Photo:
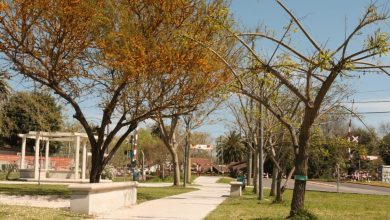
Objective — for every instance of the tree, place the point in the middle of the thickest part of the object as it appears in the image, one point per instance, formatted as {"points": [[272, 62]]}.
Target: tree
{"points": [[327, 153], [317, 73], [245, 120], [231, 148], [4, 87], [24, 112], [384, 149], [152, 147], [113, 53], [199, 77]]}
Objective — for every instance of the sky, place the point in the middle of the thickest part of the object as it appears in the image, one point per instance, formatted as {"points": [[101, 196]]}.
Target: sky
{"points": [[326, 21]]}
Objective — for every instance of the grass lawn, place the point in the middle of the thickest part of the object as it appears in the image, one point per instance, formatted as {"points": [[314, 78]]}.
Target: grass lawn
{"points": [[24, 212], [144, 194], [225, 180], [324, 205], [168, 179], [12, 176], [35, 189]]}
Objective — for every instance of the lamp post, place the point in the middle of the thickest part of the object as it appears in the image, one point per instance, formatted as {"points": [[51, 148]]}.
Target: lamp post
{"points": [[187, 120], [221, 159]]}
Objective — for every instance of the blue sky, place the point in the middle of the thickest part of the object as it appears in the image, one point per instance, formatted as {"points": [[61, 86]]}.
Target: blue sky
{"points": [[326, 22]]}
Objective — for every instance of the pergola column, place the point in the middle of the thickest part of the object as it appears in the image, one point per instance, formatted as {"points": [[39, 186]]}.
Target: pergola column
{"points": [[84, 160], [47, 155], [23, 160], [36, 158], [77, 158]]}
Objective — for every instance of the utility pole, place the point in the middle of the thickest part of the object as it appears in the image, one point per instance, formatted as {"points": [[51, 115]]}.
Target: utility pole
{"points": [[260, 137], [261, 154], [338, 177]]}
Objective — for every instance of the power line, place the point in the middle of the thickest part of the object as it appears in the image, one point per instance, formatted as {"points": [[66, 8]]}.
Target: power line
{"points": [[369, 91], [373, 101], [359, 113]]}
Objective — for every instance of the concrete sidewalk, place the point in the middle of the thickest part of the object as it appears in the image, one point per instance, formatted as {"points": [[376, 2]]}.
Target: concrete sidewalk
{"points": [[194, 205]]}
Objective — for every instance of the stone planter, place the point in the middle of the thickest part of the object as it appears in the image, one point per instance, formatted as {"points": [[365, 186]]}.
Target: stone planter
{"points": [[95, 198], [235, 189]]}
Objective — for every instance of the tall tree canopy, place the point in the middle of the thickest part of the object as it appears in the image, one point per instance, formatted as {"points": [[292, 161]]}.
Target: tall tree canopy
{"points": [[24, 112], [128, 58], [231, 148]]}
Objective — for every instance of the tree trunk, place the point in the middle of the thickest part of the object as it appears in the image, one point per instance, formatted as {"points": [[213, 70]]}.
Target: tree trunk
{"points": [[274, 179], [255, 172], [97, 166], [176, 168], [279, 192], [249, 164], [287, 179], [301, 160]]}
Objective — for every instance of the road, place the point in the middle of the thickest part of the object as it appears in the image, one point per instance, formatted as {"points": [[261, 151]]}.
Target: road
{"points": [[344, 187]]}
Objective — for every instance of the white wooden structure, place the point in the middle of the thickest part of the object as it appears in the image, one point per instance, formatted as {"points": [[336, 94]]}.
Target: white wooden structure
{"points": [[78, 140]]}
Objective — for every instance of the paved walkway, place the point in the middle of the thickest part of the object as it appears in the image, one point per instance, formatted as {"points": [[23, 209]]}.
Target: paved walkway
{"points": [[187, 206]]}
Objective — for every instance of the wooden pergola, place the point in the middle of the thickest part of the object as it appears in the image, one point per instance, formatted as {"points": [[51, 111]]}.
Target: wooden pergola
{"points": [[78, 140]]}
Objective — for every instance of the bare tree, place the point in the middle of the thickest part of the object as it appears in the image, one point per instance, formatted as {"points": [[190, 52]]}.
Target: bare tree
{"points": [[311, 75]]}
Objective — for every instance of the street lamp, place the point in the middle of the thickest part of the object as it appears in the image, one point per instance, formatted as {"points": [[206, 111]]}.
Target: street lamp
{"points": [[187, 120]]}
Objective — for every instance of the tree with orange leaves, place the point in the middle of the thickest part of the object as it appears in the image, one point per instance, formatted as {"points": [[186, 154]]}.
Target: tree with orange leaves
{"points": [[128, 57]]}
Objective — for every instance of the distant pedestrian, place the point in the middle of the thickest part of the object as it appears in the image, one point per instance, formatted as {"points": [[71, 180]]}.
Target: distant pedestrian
{"points": [[242, 178]]}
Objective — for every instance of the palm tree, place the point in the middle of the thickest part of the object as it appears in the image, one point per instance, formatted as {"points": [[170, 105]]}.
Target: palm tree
{"points": [[231, 148]]}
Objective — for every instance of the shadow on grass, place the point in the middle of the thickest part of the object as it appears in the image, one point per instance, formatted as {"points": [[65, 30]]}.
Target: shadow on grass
{"points": [[34, 190]]}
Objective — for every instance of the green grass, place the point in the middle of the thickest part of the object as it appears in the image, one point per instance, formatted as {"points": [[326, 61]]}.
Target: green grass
{"points": [[122, 179], [144, 194], [35, 189], [322, 204], [225, 180], [12, 176], [156, 179], [24, 212], [150, 193], [167, 179]]}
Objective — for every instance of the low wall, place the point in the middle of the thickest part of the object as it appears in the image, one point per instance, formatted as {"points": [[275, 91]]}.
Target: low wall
{"points": [[51, 174], [95, 198], [61, 174], [385, 174], [29, 174]]}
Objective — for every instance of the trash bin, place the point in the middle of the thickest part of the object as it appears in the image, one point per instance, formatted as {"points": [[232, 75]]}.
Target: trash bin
{"points": [[136, 175], [242, 179]]}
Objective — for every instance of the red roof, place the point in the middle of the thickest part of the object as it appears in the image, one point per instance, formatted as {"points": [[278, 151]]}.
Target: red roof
{"points": [[56, 162], [205, 163]]}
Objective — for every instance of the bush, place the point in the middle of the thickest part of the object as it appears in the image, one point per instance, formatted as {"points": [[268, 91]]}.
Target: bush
{"points": [[109, 172]]}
